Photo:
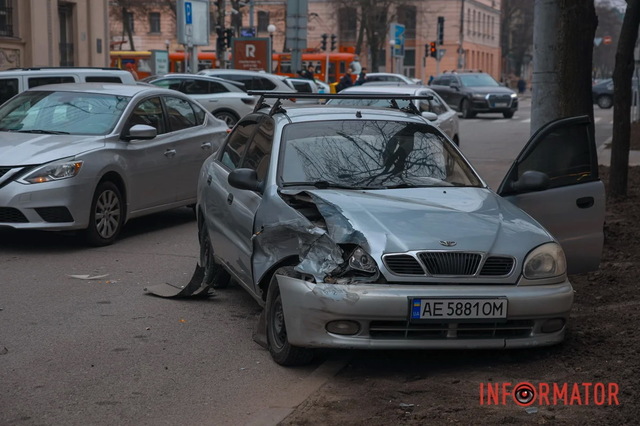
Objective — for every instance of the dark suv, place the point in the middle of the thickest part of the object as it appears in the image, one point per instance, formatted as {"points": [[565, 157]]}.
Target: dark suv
{"points": [[474, 92]]}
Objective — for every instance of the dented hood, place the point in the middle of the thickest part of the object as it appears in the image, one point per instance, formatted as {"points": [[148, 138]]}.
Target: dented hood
{"points": [[400, 220]]}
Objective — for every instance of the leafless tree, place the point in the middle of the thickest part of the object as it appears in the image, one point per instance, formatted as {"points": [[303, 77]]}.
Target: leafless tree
{"points": [[517, 34], [123, 9], [622, 75], [604, 55]]}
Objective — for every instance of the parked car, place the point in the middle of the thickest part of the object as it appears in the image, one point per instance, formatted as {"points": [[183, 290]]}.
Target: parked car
{"points": [[222, 98], [302, 85], [445, 118], [475, 92], [391, 78], [91, 156], [17, 80], [602, 93], [366, 228]]}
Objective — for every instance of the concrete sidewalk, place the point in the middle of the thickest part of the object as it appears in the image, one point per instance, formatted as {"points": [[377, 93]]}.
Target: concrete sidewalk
{"points": [[604, 155]]}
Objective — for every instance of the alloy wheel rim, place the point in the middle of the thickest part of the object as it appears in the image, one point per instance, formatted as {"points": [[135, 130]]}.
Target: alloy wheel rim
{"points": [[107, 214]]}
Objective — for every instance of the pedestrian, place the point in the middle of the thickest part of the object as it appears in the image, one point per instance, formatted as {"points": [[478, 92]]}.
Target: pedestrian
{"points": [[132, 70], [430, 79], [308, 73], [522, 86], [345, 81], [362, 78]]}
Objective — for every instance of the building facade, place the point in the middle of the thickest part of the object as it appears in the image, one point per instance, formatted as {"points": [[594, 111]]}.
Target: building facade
{"points": [[51, 33], [471, 36]]}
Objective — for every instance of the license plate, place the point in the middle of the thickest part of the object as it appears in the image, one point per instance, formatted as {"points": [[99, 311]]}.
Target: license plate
{"points": [[458, 309], [500, 104]]}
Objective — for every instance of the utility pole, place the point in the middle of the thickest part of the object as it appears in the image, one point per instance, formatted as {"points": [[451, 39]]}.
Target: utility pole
{"points": [[220, 50]]}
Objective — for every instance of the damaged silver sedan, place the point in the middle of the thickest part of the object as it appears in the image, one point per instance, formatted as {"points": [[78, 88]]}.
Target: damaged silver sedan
{"points": [[366, 228]]}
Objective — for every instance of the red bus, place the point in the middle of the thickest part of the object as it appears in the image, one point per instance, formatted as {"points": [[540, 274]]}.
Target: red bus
{"points": [[336, 63]]}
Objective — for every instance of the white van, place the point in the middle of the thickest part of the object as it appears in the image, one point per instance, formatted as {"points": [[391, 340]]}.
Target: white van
{"points": [[17, 80]]}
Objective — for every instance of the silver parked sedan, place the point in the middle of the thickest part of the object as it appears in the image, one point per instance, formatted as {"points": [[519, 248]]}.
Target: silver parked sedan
{"points": [[91, 156], [367, 228], [433, 108]]}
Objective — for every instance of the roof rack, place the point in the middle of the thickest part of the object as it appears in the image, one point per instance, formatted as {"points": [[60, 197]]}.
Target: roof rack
{"points": [[277, 106]]}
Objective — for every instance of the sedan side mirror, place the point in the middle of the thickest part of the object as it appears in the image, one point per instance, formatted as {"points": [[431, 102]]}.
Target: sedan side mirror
{"points": [[431, 116], [455, 86], [531, 180], [141, 131], [245, 179]]}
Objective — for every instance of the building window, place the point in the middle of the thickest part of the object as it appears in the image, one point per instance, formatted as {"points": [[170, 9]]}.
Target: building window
{"points": [[6, 18], [263, 21], [407, 16], [154, 22], [129, 21], [347, 24], [65, 16]]}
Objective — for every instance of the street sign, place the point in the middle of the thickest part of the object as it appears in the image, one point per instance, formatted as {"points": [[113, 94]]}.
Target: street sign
{"points": [[397, 34], [597, 41], [251, 53], [193, 22], [188, 12]]}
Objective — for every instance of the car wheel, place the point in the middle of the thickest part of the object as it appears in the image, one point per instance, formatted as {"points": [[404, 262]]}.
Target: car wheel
{"points": [[107, 215], [214, 274], [226, 116], [508, 114], [605, 101], [281, 350], [466, 110]]}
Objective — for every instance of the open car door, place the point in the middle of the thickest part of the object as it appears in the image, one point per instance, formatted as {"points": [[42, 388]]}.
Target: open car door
{"points": [[555, 180]]}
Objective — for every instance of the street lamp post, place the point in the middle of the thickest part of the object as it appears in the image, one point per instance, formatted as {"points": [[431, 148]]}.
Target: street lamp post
{"points": [[392, 45], [271, 29]]}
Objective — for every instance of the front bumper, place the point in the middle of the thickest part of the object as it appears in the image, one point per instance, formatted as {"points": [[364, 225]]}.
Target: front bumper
{"points": [[382, 311], [55, 206], [489, 104]]}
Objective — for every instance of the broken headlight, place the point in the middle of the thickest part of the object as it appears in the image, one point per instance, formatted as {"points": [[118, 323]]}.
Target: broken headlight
{"points": [[358, 266]]}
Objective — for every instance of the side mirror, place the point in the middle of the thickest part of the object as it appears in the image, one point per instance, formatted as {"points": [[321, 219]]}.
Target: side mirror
{"points": [[141, 131], [244, 179], [431, 116], [531, 180], [455, 86]]}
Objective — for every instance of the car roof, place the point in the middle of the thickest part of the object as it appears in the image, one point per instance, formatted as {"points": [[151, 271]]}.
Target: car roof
{"points": [[386, 88], [213, 71], [315, 112], [104, 88], [200, 77]]}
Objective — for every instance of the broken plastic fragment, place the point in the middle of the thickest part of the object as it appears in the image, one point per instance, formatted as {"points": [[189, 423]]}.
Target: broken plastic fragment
{"points": [[88, 277]]}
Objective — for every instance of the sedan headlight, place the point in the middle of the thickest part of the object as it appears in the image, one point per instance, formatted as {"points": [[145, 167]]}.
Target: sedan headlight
{"points": [[58, 170], [514, 95], [358, 266], [361, 261], [545, 261]]}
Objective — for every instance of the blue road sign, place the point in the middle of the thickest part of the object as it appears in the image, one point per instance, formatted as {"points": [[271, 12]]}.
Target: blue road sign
{"points": [[187, 13], [397, 32]]}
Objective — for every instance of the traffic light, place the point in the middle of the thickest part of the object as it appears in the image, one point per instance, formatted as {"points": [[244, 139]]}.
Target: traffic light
{"points": [[228, 37], [433, 50], [323, 42], [220, 44], [440, 36], [333, 42]]}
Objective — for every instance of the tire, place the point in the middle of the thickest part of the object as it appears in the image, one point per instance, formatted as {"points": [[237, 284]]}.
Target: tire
{"points": [[465, 108], [214, 274], [226, 116], [281, 350], [107, 215], [605, 101], [508, 114]]}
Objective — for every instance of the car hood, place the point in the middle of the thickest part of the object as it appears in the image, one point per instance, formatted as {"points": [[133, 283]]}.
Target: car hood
{"points": [[401, 220], [20, 149], [490, 89]]}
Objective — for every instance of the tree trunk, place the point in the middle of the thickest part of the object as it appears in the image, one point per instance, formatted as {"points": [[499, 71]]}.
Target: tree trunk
{"points": [[622, 74], [562, 56]]}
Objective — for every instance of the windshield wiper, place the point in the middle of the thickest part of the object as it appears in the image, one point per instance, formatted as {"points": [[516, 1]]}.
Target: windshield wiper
{"points": [[322, 184], [44, 132]]}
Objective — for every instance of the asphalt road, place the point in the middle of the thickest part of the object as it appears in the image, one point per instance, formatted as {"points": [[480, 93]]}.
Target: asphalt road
{"points": [[100, 351]]}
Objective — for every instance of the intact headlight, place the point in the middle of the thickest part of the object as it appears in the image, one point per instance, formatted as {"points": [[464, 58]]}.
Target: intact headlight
{"points": [[57, 170], [514, 95], [545, 261]]}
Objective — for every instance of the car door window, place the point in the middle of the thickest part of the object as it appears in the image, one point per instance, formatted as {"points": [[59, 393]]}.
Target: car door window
{"points": [[200, 113], [149, 112], [8, 89], [237, 144], [180, 113], [259, 152], [102, 79], [196, 87], [266, 84], [169, 83], [214, 87], [443, 81]]}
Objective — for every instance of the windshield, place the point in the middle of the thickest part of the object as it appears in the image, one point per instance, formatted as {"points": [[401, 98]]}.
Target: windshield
{"points": [[370, 155], [475, 80], [73, 113]]}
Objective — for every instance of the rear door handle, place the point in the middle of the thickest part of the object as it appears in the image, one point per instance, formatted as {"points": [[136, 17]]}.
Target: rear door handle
{"points": [[585, 202], [170, 153], [230, 199]]}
